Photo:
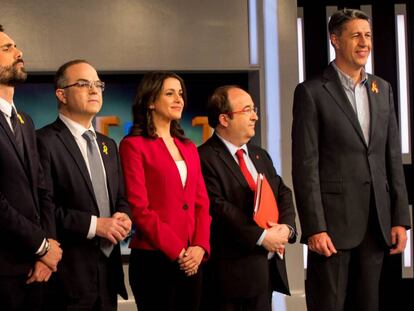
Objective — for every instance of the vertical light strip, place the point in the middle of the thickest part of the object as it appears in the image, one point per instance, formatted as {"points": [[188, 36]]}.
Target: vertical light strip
{"points": [[407, 258], [301, 65], [272, 82], [254, 56], [403, 94], [331, 51], [272, 100], [305, 257], [369, 67], [301, 57]]}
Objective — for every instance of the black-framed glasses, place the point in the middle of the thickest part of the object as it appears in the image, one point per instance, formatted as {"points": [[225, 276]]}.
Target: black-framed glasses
{"points": [[245, 110], [86, 84]]}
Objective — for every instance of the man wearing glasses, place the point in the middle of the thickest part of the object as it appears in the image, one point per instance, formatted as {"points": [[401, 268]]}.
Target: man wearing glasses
{"points": [[26, 255], [243, 270], [82, 167]]}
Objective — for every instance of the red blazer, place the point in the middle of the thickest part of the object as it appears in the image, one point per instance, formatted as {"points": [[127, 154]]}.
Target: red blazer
{"points": [[167, 216]]}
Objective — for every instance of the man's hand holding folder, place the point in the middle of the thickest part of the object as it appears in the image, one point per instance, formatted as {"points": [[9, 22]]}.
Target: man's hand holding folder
{"points": [[266, 215]]}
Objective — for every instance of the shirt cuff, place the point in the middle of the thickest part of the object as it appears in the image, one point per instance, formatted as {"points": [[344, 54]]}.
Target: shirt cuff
{"points": [[42, 247], [292, 232], [92, 228], [262, 236]]}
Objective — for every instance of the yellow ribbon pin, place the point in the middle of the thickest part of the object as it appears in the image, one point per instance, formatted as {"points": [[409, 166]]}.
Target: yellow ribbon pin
{"points": [[105, 148], [20, 118], [374, 87]]}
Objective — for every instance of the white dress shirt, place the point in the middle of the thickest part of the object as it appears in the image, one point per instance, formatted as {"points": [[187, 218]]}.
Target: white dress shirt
{"points": [[6, 109]]}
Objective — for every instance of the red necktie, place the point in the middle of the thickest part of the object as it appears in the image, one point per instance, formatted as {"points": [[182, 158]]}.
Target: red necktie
{"points": [[244, 170]]}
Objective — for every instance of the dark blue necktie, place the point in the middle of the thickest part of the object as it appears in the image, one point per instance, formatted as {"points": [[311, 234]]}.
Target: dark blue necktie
{"points": [[17, 130]]}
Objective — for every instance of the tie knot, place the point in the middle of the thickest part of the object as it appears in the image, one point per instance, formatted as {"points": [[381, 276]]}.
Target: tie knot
{"points": [[239, 154], [13, 113], [88, 135]]}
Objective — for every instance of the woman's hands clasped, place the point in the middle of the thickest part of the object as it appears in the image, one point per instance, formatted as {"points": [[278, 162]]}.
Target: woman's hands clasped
{"points": [[190, 259]]}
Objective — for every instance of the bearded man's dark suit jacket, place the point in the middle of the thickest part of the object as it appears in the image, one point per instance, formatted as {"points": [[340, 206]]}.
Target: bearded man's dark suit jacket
{"points": [[239, 268], [67, 174], [336, 175], [24, 202]]}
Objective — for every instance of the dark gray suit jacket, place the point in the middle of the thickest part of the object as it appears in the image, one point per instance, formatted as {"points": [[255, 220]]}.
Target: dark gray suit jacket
{"points": [[68, 177], [335, 172], [239, 267]]}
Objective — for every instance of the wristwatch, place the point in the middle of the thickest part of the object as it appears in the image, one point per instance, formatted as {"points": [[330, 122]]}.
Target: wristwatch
{"points": [[292, 232]]}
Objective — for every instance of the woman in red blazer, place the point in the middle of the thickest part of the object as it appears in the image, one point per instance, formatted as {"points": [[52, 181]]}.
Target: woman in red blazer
{"points": [[168, 198]]}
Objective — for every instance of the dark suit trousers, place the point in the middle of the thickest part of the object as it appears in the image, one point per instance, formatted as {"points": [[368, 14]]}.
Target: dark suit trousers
{"points": [[158, 283], [212, 299], [348, 280], [101, 298], [16, 295], [258, 303]]}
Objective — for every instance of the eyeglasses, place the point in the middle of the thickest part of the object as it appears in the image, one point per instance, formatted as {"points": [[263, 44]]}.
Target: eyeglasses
{"points": [[245, 110], [85, 84]]}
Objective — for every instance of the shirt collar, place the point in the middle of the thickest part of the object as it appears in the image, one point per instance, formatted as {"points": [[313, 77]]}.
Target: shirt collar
{"points": [[75, 128], [6, 107], [233, 148], [346, 80]]}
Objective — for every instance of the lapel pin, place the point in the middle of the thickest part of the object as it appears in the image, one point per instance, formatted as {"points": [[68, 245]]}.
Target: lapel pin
{"points": [[257, 157], [374, 87], [105, 148], [20, 118]]}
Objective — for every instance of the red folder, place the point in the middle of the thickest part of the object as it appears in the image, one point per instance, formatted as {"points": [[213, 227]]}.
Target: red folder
{"points": [[265, 205]]}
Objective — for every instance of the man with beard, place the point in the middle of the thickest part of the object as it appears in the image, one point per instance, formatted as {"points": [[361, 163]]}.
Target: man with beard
{"points": [[28, 254]]}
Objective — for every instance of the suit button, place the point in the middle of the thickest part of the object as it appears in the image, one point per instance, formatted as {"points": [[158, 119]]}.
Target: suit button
{"points": [[185, 207], [367, 183]]}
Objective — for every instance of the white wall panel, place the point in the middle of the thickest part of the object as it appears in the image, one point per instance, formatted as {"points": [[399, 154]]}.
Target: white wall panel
{"points": [[130, 34]]}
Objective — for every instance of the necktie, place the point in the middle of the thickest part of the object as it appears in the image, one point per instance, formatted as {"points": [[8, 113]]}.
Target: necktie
{"points": [[17, 130], [244, 169], [98, 184]]}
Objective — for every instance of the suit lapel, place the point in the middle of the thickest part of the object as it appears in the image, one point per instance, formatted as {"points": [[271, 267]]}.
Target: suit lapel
{"points": [[106, 153], [72, 147], [257, 161], [29, 147], [10, 135], [373, 106], [334, 88], [228, 160]]}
